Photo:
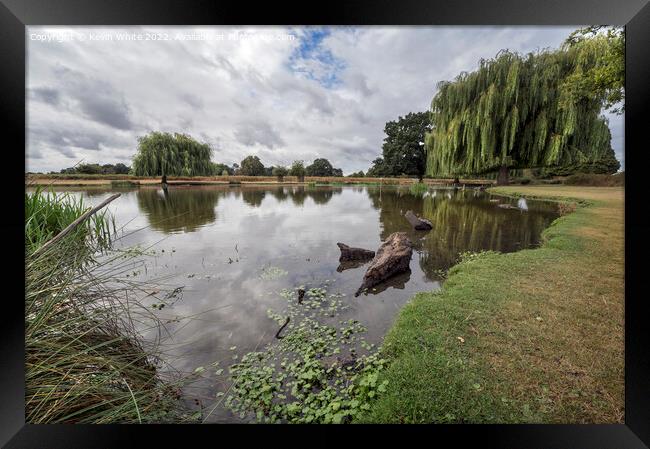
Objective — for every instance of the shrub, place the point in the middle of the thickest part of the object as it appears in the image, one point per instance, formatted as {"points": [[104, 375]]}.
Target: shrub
{"points": [[595, 180]]}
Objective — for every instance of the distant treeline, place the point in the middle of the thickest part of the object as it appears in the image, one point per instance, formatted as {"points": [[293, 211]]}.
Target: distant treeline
{"points": [[161, 153], [96, 169]]}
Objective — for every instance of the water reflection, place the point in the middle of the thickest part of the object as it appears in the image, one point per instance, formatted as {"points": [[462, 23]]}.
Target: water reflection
{"points": [[253, 197], [178, 209], [462, 221], [218, 238]]}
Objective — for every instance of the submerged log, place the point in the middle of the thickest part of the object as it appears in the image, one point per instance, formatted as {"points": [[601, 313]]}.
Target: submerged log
{"points": [[419, 224], [393, 257], [349, 253]]}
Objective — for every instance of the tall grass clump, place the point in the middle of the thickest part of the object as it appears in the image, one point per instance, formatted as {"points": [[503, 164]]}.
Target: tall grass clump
{"points": [[418, 189], [85, 359], [48, 213]]}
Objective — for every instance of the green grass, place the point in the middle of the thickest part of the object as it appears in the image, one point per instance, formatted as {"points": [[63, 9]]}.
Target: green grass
{"points": [[418, 188], [85, 361], [48, 213], [532, 336]]}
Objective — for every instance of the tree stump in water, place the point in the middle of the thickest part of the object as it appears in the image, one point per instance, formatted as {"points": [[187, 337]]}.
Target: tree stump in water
{"points": [[349, 253], [419, 224], [393, 257]]}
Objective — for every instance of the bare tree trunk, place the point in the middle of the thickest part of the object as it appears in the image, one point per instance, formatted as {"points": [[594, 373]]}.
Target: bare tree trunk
{"points": [[502, 177]]}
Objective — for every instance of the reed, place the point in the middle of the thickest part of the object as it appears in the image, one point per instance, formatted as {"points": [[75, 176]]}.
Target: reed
{"points": [[86, 361]]}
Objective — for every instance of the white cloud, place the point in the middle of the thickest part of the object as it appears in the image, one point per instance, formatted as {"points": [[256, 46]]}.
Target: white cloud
{"points": [[326, 93]]}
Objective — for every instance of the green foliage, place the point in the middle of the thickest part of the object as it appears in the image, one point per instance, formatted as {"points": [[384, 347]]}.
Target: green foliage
{"points": [[516, 111], [418, 188], [252, 166], [96, 169], [597, 180], [378, 169], [358, 174], [605, 79], [85, 362], [320, 167], [313, 374], [221, 169], [47, 214], [607, 164], [297, 169], [403, 150], [172, 155], [280, 172]]}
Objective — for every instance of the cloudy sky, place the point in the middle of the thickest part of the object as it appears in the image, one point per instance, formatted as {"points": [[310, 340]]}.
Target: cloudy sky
{"points": [[280, 93]]}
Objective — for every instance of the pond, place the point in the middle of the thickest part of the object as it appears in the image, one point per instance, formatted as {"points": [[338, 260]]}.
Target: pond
{"points": [[234, 249]]}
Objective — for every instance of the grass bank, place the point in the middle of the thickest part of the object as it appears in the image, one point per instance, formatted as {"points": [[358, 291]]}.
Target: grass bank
{"points": [[532, 336]]}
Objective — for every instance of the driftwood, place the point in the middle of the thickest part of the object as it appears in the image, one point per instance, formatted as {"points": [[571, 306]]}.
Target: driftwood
{"points": [[393, 257], [277, 334], [419, 224], [75, 223], [349, 253], [507, 206]]}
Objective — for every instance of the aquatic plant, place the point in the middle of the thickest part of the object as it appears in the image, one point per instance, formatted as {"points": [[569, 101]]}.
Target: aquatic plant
{"points": [[314, 373]]}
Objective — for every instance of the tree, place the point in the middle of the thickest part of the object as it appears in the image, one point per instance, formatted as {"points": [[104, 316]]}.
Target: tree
{"points": [[320, 167], [298, 169], [512, 113], [89, 169], [172, 155], [358, 174], [378, 169], [606, 165], [280, 172], [121, 169], [605, 78], [252, 166], [403, 149], [221, 169], [337, 172]]}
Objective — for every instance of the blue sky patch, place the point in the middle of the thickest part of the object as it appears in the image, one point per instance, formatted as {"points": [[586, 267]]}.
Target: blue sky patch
{"points": [[313, 61]]}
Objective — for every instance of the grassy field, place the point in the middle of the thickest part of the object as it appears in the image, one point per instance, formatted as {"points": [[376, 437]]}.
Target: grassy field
{"points": [[533, 336]]}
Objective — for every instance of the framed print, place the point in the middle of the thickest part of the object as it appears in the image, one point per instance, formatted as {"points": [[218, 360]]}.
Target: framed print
{"points": [[359, 218]]}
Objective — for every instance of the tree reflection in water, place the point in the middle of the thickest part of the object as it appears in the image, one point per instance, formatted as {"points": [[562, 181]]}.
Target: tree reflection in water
{"points": [[179, 209], [462, 221]]}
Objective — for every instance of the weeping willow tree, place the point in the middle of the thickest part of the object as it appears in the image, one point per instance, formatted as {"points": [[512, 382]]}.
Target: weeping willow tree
{"points": [[518, 111], [172, 155]]}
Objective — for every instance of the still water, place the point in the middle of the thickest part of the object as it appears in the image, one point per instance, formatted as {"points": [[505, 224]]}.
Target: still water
{"points": [[232, 249]]}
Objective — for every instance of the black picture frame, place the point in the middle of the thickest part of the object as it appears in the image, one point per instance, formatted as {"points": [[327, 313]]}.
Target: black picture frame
{"points": [[634, 14]]}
